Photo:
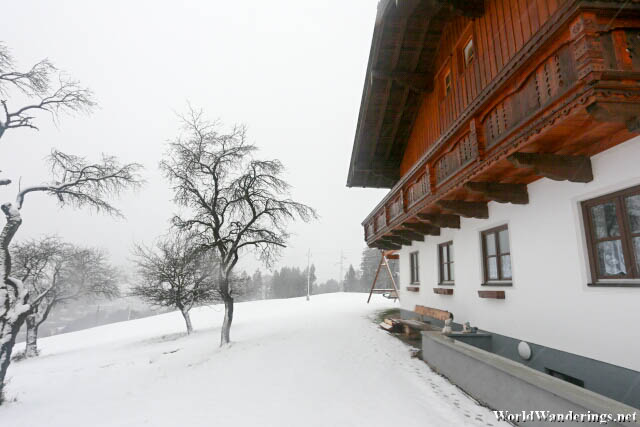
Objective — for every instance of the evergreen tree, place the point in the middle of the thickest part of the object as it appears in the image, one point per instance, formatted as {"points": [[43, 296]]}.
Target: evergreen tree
{"points": [[259, 285], [351, 282], [368, 267]]}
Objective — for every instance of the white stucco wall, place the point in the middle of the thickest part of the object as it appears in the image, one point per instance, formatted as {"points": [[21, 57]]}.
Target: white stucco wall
{"points": [[549, 303]]}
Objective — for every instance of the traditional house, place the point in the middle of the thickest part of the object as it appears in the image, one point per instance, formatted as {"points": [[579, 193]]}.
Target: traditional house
{"points": [[506, 131]]}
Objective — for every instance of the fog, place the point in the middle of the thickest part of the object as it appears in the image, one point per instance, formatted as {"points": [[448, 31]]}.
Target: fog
{"points": [[292, 71]]}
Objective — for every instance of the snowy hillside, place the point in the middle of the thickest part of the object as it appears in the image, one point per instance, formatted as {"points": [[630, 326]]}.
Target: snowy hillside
{"points": [[292, 363]]}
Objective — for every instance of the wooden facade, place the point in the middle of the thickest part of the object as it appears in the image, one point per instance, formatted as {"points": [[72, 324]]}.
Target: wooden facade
{"points": [[546, 85]]}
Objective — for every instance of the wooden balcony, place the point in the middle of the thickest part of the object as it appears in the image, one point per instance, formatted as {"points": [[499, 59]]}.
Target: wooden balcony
{"points": [[573, 91]]}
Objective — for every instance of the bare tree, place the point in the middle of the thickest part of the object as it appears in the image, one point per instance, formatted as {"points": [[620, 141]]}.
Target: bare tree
{"points": [[236, 202], [46, 89], [176, 274], [77, 183], [66, 272]]}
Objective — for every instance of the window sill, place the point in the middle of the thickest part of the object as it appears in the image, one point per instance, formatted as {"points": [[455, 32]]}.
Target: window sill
{"points": [[413, 288], [446, 283], [498, 283], [443, 291], [615, 284], [491, 294]]}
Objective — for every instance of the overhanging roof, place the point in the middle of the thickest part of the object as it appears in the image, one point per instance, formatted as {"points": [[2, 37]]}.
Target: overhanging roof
{"points": [[400, 69]]}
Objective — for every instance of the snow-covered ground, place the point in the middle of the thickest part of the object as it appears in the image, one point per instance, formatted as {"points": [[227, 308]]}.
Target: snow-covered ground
{"points": [[292, 363]]}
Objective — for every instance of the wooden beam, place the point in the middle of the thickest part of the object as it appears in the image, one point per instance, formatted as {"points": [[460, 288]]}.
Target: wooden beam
{"points": [[379, 244], [441, 220], [405, 8], [382, 167], [420, 82], [421, 227], [397, 240], [556, 167], [412, 235], [627, 113], [468, 8], [465, 209], [501, 193], [396, 121]]}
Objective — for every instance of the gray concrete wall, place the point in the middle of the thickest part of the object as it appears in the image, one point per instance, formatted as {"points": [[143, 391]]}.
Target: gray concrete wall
{"points": [[615, 382], [503, 384]]}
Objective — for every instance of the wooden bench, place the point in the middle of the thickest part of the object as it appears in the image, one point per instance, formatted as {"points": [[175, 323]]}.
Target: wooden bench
{"points": [[434, 313], [412, 327]]}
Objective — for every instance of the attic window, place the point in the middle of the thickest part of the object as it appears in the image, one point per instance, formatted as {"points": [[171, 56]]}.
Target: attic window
{"points": [[447, 82], [468, 52]]}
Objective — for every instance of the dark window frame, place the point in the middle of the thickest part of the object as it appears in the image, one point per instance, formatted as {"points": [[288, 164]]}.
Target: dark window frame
{"points": [[468, 62], [449, 264], [632, 278], [447, 83], [414, 265], [500, 281]]}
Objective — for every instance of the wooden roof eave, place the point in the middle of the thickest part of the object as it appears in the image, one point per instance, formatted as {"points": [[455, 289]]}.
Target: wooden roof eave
{"points": [[383, 7], [413, 80], [404, 9]]}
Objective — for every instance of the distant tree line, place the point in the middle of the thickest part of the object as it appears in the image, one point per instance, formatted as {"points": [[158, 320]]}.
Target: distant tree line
{"points": [[291, 282]]}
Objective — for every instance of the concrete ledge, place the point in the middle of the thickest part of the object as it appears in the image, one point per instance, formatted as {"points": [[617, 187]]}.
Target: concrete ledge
{"points": [[477, 339], [506, 385]]}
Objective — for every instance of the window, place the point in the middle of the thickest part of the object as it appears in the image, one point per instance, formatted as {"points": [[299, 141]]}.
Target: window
{"points": [[612, 224], [468, 52], [415, 272], [496, 253], [445, 260], [447, 83]]}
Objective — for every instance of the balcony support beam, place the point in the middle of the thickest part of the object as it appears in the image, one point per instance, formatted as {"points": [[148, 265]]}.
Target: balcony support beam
{"points": [[396, 240], [411, 235], [441, 220], [386, 243], [501, 193], [421, 227], [556, 167], [385, 246], [465, 209]]}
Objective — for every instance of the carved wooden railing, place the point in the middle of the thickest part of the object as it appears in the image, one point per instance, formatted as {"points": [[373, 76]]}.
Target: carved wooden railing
{"points": [[418, 189], [369, 230], [462, 152], [585, 67], [396, 207], [549, 80], [381, 220]]}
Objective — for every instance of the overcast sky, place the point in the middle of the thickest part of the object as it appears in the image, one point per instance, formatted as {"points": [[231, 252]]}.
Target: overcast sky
{"points": [[291, 70]]}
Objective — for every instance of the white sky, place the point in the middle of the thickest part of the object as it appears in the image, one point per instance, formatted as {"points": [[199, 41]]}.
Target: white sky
{"points": [[292, 70]]}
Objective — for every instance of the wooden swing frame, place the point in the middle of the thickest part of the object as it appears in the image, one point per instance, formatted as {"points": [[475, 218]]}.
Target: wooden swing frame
{"points": [[386, 255]]}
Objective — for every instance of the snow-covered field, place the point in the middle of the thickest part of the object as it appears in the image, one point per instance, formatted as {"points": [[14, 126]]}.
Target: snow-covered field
{"points": [[292, 363]]}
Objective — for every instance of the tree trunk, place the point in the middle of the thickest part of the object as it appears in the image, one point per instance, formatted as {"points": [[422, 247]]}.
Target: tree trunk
{"points": [[7, 340], [32, 336], [13, 295], [187, 320], [228, 319]]}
